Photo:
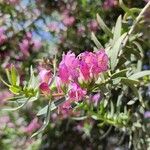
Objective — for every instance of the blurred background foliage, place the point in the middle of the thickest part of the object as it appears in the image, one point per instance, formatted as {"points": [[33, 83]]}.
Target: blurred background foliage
{"points": [[35, 31]]}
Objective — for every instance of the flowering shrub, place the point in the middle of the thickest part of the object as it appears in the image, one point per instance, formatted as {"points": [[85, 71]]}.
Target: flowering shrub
{"points": [[98, 88]]}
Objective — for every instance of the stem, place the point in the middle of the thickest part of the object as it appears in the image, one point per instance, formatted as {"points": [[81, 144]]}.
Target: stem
{"points": [[135, 23]]}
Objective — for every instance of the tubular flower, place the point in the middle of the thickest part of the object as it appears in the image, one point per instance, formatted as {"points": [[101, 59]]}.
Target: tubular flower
{"points": [[44, 88], [68, 68], [45, 75], [76, 93]]}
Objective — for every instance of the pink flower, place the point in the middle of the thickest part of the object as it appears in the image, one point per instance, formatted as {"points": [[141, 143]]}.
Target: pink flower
{"points": [[93, 25], [4, 95], [75, 92], [12, 1], [108, 4], [64, 73], [44, 88], [97, 63], [68, 67], [29, 44], [33, 126], [37, 44], [81, 30], [45, 75], [24, 47], [102, 59], [53, 27], [96, 99], [3, 37], [68, 20], [84, 71], [147, 114]]}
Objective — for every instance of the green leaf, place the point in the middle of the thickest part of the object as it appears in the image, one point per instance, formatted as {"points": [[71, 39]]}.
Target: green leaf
{"points": [[8, 75], [140, 74], [113, 53], [46, 121], [131, 83], [14, 75], [15, 89], [53, 106], [123, 6], [121, 73], [95, 40], [104, 26], [20, 106], [117, 30], [131, 102]]}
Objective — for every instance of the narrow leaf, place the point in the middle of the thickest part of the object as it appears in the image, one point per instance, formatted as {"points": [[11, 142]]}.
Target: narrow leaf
{"points": [[95, 40], [104, 26], [140, 74], [117, 30], [113, 53]]}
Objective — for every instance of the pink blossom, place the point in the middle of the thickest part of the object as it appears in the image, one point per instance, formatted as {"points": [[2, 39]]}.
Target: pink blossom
{"points": [[53, 27], [96, 98], [93, 25], [68, 20], [84, 71], [3, 37], [24, 47], [64, 73], [44, 88], [68, 67], [28, 44], [81, 30], [4, 95], [102, 59], [108, 4], [33, 126], [45, 75], [147, 114], [75, 92], [12, 1], [37, 44]]}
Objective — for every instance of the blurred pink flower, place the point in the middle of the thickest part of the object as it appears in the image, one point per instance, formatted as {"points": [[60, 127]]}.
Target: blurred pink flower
{"points": [[4, 95], [81, 30], [37, 44], [13, 2], [93, 25], [33, 126], [54, 27], [108, 4], [68, 20], [3, 37], [28, 44], [147, 114], [24, 47], [96, 99]]}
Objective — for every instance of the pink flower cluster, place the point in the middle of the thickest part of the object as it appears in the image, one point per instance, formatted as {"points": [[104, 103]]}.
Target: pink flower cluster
{"points": [[28, 43], [3, 37], [73, 72], [82, 68]]}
